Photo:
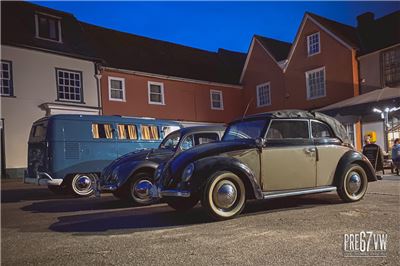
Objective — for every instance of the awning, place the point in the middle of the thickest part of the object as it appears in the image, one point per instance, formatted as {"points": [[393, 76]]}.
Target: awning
{"points": [[364, 103]]}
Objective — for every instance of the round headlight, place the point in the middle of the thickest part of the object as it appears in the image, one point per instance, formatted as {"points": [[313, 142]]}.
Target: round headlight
{"points": [[187, 173]]}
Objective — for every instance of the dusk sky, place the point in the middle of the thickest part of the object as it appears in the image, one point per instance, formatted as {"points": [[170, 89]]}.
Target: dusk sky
{"points": [[213, 25]]}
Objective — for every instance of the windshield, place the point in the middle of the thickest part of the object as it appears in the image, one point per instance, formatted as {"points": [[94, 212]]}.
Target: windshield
{"points": [[250, 129], [171, 141]]}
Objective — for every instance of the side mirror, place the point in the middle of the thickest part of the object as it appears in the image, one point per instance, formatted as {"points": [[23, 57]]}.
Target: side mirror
{"points": [[260, 143]]}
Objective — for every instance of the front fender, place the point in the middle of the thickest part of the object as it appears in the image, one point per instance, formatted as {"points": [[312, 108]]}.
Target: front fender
{"points": [[125, 171], [354, 157], [206, 167]]}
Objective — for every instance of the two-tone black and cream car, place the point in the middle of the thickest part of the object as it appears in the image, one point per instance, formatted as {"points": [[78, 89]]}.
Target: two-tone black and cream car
{"points": [[264, 156]]}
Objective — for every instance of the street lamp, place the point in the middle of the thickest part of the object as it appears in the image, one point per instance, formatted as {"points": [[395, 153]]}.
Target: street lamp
{"points": [[385, 116]]}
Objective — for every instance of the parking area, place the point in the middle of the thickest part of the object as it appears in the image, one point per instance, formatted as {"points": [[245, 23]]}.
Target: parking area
{"points": [[39, 227]]}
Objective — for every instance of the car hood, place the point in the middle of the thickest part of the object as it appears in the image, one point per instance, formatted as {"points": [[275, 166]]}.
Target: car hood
{"points": [[210, 149]]}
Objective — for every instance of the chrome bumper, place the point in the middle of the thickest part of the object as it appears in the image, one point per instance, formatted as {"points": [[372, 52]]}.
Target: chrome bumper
{"points": [[42, 178], [158, 192]]}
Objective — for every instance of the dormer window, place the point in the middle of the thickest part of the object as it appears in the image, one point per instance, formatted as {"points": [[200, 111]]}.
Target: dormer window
{"points": [[48, 27], [313, 44]]}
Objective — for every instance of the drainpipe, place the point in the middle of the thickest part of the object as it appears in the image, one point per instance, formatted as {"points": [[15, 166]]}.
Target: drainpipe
{"points": [[97, 68]]}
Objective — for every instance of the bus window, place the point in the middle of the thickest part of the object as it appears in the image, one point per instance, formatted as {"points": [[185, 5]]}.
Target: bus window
{"points": [[127, 132], [102, 131], [39, 131], [149, 132]]}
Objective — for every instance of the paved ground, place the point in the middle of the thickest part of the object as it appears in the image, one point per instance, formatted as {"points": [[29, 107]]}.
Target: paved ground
{"points": [[41, 228]]}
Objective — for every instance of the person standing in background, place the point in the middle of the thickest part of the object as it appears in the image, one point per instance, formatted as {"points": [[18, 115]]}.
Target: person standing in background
{"points": [[396, 155]]}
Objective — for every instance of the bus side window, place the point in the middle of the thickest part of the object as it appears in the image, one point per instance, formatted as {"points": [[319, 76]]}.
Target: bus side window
{"points": [[102, 131], [149, 132], [127, 132]]}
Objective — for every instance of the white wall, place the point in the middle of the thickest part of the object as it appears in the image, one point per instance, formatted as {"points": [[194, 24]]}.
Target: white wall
{"points": [[34, 80]]}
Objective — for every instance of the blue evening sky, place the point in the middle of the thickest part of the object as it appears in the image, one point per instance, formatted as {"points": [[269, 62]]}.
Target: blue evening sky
{"points": [[213, 25]]}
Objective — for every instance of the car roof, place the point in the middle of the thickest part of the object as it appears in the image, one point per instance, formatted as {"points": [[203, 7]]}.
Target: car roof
{"points": [[188, 130]]}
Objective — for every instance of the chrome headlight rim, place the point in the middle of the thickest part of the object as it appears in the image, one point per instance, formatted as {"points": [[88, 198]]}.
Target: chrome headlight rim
{"points": [[187, 172]]}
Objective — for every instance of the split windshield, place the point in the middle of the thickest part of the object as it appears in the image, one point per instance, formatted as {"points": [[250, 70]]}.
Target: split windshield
{"points": [[171, 141], [248, 129]]}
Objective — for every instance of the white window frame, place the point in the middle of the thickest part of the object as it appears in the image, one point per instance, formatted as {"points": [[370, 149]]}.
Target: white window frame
{"points": [[37, 27], [308, 43], [10, 79], [221, 100], [149, 83], [123, 89], [69, 71], [307, 83], [258, 87]]}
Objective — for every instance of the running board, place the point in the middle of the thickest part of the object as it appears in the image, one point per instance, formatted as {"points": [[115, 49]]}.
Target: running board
{"points": [[288, 193]]}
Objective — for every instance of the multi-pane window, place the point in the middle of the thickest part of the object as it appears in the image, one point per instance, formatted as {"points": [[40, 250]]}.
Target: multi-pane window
{"points": [[48, 27], [102, 131], [69, 85], [149, 132], [127, 132], [391, 67], [156, 93], [351, 133], [313, 44], [315, 81], [6, 88], [263, 94], [116, 88], [217, 102]]}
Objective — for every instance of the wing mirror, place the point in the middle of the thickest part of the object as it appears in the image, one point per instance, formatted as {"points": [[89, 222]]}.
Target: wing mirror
{"points": [[260, 143]]}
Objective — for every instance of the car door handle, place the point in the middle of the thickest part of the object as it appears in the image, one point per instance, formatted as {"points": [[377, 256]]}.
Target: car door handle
{"points": [[310, 151]]}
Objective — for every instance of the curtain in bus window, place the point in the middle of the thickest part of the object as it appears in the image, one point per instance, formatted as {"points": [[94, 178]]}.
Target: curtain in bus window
{"points": [[95, 131], [108, 131], [145, 132], [121, 132], [132, 132], [154, 132]]}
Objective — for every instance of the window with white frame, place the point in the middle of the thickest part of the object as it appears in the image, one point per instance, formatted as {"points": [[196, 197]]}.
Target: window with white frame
{"points": [[263, 94], [116, 89], [315, 82], [217, 102], [69, 85], [156, 92], [313, 44], [48, 27], [391, 66], [6, 82]]}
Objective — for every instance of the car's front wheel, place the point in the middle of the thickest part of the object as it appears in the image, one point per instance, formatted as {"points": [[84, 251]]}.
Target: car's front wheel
{"points": [[353, 184], [140, 186], [224, 196], [83, 184]]}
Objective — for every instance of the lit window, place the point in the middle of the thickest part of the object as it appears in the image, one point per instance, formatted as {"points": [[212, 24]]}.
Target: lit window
{"points": [[116, 89], [315, 81], [48, 27], [263, 94], [391, 67], [127, 132], [217, 102], [6, 82], [102, 131], [149, 132], [69, 85], [156, 93], [313, 44]]}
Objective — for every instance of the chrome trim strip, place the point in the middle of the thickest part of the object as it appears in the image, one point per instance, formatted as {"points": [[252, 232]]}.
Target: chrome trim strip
{"points": [[174, 193], [108, 188], [285, 193]]}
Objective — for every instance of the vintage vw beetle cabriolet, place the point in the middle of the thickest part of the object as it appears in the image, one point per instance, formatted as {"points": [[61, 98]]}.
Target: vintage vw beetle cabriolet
{"points": [[263, 156], [130, 177]]}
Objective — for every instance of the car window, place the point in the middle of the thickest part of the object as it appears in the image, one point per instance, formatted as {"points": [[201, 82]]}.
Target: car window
{"points": [[187, 143], [203, 138], [171, 141], [290, 129], [247, 129], [321, 130]]}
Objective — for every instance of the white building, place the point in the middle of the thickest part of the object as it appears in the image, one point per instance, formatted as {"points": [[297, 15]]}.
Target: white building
{"points": [[45, 69]]}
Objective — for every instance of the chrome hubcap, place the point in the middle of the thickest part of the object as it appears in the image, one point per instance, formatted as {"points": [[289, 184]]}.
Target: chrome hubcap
{"points": [[226, 194], [353, 183], [83, 183], [142, 189]]}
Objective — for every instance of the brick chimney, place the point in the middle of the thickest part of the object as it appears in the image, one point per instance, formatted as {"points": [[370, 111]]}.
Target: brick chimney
{"points": [[365, 20]]}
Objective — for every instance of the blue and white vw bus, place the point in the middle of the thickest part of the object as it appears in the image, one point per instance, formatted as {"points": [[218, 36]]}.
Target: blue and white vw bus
{"points": [[68, 152]]}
